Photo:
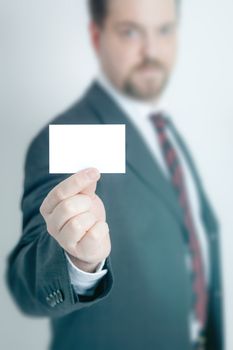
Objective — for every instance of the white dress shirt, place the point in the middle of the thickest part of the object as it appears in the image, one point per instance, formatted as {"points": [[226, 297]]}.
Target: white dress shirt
{"points": [[139, 113]]}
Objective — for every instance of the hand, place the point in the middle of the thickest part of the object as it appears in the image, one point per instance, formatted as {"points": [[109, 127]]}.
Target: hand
{"points": [[75, 216]]}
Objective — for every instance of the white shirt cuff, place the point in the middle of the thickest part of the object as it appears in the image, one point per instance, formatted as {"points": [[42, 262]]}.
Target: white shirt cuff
{"points": [[84, 283]]}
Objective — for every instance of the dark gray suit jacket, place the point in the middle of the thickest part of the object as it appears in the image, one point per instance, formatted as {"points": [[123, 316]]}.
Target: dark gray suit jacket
{"points": [[144, 300]]}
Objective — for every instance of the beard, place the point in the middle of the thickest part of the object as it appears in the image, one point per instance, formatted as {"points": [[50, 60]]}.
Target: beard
{"points": [[147, 81]]}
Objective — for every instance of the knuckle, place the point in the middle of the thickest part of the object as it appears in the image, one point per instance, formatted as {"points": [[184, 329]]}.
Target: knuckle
{"points": [[78, 252], [67, 206], [90, 218], [75, 224], [99, 231], [70, 247], [58, 195], [108, 250], [94, 233], [50, 228], [42, 207], [71, 224], [106, 227], [41, 210]]}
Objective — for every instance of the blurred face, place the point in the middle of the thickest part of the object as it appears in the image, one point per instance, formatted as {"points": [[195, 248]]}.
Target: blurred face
{"points": [[136, 45]]}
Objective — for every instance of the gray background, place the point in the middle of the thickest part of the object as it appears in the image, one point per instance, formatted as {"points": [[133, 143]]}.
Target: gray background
{"points": [[45, 63]]}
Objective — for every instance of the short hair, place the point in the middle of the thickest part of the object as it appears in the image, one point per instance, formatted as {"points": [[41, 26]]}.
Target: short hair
{"points": [[98, 10]]}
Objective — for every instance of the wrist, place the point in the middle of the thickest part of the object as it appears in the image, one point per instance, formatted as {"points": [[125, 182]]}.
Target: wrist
{"points": [[82, 265]]}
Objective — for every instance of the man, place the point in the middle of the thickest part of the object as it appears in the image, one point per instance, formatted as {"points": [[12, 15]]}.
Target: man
{"points": [[160, 288]]}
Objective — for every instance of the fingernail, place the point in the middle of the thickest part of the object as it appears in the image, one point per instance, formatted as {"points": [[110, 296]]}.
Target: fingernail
{"points": [[92, 173]]}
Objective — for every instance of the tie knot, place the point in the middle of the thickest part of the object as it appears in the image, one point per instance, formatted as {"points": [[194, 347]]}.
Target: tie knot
{"points": [[159, 120]]}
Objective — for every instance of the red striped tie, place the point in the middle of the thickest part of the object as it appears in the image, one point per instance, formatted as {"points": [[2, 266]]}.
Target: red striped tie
{"points": [[177, 177]]}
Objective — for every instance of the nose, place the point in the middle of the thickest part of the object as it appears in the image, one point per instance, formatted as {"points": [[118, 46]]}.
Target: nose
{"points": [[150, 46]]}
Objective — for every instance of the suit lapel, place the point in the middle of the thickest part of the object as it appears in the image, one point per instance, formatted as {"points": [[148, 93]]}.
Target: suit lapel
{"points": [[138, 155]]}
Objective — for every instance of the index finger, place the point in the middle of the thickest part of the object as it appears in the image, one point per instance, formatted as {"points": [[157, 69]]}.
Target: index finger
{"points": [[68, 188]]}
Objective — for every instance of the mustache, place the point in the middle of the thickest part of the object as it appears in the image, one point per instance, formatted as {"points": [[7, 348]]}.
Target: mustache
{"points": [[150, 63]]}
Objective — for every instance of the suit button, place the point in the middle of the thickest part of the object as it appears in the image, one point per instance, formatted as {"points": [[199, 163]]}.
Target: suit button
{"points": [[51, 300], [60, 295], [55, 298]]}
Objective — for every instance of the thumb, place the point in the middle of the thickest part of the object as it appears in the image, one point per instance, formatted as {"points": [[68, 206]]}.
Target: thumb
{"points": [[90, 190]]}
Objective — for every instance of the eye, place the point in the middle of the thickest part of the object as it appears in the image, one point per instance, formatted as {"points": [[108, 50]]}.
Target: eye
{"points": [[130, 33]]}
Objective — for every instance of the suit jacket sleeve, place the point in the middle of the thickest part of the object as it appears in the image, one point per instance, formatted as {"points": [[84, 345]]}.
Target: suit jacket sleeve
{"points": [[37, 271]]}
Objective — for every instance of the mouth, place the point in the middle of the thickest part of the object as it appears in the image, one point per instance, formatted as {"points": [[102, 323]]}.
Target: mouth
{"points": [[150, 71]]}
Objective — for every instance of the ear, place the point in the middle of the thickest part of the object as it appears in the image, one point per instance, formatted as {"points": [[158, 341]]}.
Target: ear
{"points": [[94, 31]]}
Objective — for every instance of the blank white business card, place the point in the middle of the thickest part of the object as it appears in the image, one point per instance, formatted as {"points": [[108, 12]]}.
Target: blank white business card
{"points": [[76, 147]]}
